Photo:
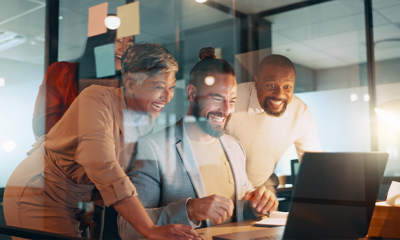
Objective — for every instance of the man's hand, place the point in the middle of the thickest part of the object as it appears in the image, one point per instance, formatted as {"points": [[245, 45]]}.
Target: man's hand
{"points": [[213, 207], [173, 232], [262, 199]]}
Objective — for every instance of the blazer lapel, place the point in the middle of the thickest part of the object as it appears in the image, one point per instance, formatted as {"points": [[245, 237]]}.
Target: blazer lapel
{"points": [[188, 159]]}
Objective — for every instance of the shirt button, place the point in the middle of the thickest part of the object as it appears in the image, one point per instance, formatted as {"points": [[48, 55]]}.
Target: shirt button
{"points": [[123, 168]]}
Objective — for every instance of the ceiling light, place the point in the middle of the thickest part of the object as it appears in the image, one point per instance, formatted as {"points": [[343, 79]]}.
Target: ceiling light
{"points": [[8, 146], [366, 97], [353, 97], [2, 82], [10, 39], [5, 36], [112, 22], [201, 1], [60, 17]]}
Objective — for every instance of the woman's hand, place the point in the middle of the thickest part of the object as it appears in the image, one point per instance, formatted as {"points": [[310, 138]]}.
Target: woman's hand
{"points": [[133, 211], [172, 232]]}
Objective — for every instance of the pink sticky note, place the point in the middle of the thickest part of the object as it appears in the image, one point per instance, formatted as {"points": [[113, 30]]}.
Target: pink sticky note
{"points": [[97, 15]]}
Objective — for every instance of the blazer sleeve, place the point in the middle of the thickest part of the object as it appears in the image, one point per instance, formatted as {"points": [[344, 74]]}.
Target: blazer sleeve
{"points": [[144, 173], [96, 146]]}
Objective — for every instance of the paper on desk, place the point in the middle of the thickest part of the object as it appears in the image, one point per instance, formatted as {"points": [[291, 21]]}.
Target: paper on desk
{"points": [[104, 57], [97, 15], [278, 214], [130, 20], [276, 218], [393, 197]]}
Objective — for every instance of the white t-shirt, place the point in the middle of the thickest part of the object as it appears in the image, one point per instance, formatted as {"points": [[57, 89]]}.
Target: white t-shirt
{"points": [[266, 138]]}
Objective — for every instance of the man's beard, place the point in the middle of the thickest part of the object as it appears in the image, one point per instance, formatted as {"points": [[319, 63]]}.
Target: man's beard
{"points": [[214, 131], [269, 111]]}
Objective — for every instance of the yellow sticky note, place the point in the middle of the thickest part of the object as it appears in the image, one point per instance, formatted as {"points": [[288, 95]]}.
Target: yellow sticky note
{"points": [[130, 20], [97, 15]]}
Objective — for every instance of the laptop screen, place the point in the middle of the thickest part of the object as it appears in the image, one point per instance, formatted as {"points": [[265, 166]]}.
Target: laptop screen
{"points": [[335, 195]]}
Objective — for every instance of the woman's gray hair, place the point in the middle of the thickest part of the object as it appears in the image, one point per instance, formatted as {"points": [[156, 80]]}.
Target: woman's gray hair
{"points": [[144, 60]]}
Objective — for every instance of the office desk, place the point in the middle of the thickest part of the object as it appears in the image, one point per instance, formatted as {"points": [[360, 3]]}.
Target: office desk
{"points": [[244, 226]]}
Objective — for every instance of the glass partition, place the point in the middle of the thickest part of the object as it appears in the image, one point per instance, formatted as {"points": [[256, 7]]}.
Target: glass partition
{"points": [[22, 37], [89, 158], [387, 63], [22, 26], [326, 42]]}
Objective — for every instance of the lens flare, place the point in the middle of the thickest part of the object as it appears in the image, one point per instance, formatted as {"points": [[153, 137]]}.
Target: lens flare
{"points": [[8, 146], [391, 118]]}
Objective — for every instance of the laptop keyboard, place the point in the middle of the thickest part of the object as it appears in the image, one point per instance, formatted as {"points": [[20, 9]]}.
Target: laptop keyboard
{"points": [[276, 237]]}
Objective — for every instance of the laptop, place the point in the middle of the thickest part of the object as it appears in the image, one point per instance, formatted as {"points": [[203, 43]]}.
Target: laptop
{"points": [[333, 198]]}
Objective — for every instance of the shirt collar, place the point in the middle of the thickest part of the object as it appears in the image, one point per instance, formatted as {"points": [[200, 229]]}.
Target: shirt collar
{"points": [[143, 122], [254, 105]]}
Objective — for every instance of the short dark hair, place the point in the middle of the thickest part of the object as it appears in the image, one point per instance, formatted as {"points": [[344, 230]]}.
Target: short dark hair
{"points": [[208, 63], [275, 60], [143, 60]]}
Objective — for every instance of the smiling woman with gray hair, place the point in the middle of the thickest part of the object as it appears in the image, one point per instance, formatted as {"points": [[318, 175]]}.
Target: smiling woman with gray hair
{"points": [[90, 147]]}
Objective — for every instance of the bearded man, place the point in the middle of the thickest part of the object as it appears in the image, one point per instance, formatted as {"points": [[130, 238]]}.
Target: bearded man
{"points": [[269, 118], [192, 173]]}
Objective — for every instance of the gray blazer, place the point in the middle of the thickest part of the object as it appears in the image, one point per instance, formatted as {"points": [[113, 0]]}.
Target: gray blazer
{"points": [[166, 175]]}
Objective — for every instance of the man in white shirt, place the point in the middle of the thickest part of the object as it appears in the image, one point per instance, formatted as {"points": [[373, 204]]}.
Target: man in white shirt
{"points": [[269, 118]]}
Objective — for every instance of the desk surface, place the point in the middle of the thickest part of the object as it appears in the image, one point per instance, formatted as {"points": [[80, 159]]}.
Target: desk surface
{"points": [[244, 226]]}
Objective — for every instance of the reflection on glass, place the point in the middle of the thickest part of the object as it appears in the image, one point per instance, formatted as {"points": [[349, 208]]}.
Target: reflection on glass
{"points": [[325, 41], [112, 22], [387, 62]]}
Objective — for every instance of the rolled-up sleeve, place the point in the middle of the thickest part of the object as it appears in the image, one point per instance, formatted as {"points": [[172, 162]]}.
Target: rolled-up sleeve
{"points": [[96, 148]]}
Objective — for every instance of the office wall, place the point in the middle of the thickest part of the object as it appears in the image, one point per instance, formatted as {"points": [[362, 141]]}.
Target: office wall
{"points": [[343, 124], [355, 75]]}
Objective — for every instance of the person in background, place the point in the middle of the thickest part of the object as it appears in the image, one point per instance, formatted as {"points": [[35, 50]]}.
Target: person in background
{"points": [[60, 84], [269, 118], [86, 149], [192, 173]]}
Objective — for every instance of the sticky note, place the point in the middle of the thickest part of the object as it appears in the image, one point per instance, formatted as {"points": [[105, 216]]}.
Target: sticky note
{"points": [[105, 60], [96, 18], [130, 20]]}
